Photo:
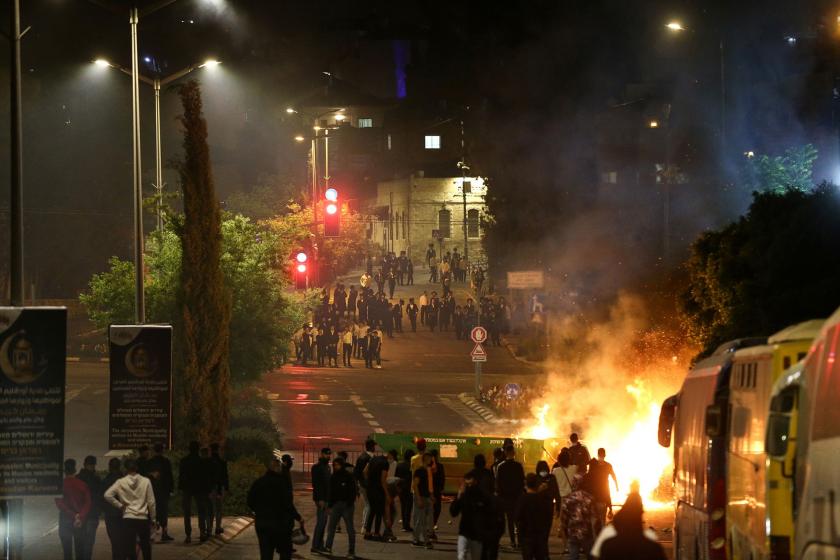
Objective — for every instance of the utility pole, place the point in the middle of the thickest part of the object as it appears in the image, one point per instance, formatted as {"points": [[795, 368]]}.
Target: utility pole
{"points": [[463, 165]]}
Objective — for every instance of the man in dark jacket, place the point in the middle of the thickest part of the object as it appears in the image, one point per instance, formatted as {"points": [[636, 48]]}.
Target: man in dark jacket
{"points": [[320, 495], [342, 499], [112, 515], [274, 512], [194, 482], [533, 515], [471, 505], [510, 483], [220, 486], [403, 473], [89, 477], [163, 484]]}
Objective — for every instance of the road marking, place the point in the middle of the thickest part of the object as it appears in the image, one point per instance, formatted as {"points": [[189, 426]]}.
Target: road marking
{"points": [[367, 415], [302, 396], [362, 409], [373, 423], [409, 399], [324, 397], [379, 430]]}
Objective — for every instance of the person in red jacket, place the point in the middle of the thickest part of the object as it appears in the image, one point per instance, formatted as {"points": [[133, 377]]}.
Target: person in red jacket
{"points": [[73, 508]]}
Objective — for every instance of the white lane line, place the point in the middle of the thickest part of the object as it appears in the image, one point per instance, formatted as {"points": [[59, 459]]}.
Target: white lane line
{"points": [[409, 399], [362, 409], [367, 415], [379, 430], [373, 423]]}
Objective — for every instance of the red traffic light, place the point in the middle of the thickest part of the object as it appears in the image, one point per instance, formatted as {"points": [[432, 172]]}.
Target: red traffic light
{"points": [[301, 257], [301, 268], [332, 208]]}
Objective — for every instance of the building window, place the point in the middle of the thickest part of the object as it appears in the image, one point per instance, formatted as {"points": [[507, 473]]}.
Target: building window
{"points": [[389, 141], [432, 142], [472, 223], [610, 177], [365, 122], [445, 223]]}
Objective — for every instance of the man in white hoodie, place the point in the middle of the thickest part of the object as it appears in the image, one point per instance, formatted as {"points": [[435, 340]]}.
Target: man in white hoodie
{"points": [[133, 495]]}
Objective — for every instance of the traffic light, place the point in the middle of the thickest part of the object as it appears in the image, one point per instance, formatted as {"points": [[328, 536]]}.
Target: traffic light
{"points": [[332, 214], [300, 270]]}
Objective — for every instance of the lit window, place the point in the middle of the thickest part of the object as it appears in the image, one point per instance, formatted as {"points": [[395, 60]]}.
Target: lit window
{"points": [[472, 223], [432, 142], [609, 177], [444, 223], [389, 141], [365, 122]]}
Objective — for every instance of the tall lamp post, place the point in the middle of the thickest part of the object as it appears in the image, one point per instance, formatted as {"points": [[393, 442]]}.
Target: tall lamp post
{"points": [[157, 84]]}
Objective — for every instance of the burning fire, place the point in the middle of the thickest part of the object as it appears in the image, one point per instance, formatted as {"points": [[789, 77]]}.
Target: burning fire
{"points": [[627, 432]]}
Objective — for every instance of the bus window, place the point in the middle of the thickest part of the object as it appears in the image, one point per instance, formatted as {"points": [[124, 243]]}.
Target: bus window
{"points": [[666, 420], [715, 420]]}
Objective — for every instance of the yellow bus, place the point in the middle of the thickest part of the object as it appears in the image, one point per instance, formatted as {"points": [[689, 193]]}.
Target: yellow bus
{"points": [[754, 371]]}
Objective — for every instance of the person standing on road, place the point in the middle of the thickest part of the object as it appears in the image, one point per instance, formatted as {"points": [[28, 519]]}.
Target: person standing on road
{"points": [[471, 505], [412, 310], [423, 502], [73, 510], [392, 492], [404, 474], [347, 339], [320, 495], [392, 284], [352, 296], [194, 484], [533, 519], [432, 312], [433, 270], [398, 316], [362, 340], [374, 349], [220, 488], [112, 515], [94, 484], [565, 473], [579, 454], [376, 474], [163, 485], [438, 483], [626, 538], [576, 518], [361, 479], [600, 472], [409, 270], [134, 496], [424, 307], [510, 484], [274, 512], [341, 504]]}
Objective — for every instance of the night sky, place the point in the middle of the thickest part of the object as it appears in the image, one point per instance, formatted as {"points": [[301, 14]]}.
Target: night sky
{"points": [[540, 79]]}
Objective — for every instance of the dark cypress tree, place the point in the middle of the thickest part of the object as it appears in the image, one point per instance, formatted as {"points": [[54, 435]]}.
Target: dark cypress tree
{"points": [[204, 388]]}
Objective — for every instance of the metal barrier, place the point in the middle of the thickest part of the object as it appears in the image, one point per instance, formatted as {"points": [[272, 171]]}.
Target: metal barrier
{"points": [[305, 451]]}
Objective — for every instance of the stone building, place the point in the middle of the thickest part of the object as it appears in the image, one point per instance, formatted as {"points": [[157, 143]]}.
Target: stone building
{"points": [[410, 213]]}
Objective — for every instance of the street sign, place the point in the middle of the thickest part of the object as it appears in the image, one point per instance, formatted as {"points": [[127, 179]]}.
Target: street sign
{"points": [[478, 354], [526, 280], [33, 345], [141, 386], [478, 335]]}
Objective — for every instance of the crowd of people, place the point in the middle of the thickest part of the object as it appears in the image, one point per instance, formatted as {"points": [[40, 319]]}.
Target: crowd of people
{"points": [[133, 500], [509, 404], [574, 495]]}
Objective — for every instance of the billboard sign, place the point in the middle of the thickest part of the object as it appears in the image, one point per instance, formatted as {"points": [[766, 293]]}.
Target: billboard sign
{"points": [[526, 280]]}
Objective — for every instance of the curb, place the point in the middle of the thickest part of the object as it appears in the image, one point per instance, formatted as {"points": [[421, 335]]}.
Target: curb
{"points": [[211, 547], [487, 414]]}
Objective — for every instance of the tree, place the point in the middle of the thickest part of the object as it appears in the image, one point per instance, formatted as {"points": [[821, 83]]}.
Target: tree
{"points": [[776, 266], [271, 196], [204, 300], [777, 174]]}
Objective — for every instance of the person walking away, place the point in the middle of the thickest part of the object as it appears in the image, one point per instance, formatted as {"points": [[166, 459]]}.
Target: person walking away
{"points": [[361, 479], [94, 484], [134, 496], [445, 312], [576, 518], [220, 487], [601, 471], [433, 270], [579, 453], [194, 484], [412, 310], [493, 518], [551, 494], [112, 515], [398, 316], [274, 512], [564, 473], [284, 546], [510, 484], [320, 495], [533, 520], [376, 473], [347, 346], [389, 319], [391, 494], [626, 538], [163, 484], [341, 504], [438, 482], [404, 474], [423, 502], [73, 509], [470, 504]]}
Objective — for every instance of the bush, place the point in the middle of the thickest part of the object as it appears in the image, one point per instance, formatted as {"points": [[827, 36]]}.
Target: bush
{"points": [[242, 474], [250, 442]]}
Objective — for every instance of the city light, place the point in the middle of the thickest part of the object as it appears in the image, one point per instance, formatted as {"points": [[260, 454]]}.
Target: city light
{"points": [[101, 62], [299, 138], [290, 110], [339, 117], [749, 154], [332, 208], [675, 26], [653, 124], [301, 257], [210, 64], [331, 194]]}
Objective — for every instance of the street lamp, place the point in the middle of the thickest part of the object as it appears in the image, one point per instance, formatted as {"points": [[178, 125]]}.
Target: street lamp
{"points": [[675, 26], [157, 84], [653, 124]]}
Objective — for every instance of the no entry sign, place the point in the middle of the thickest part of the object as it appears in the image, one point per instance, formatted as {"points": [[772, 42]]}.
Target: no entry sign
{"points": [[478, 335]]}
